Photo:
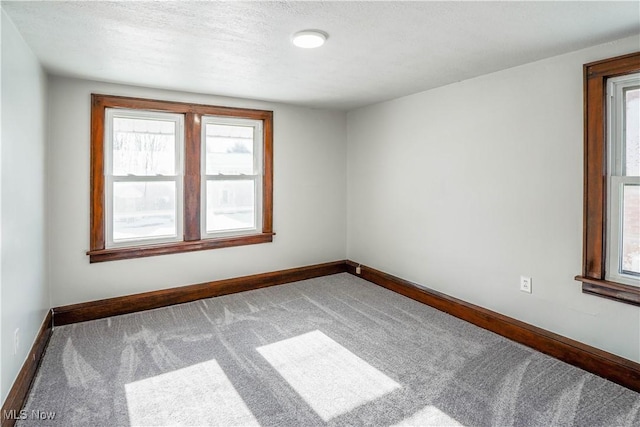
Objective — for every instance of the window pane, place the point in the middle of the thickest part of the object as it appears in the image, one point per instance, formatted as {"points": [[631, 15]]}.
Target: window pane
{"points": [[631, 230], [230, 205], [144, 147], [229, 149], [143, 210], [632, 131]]}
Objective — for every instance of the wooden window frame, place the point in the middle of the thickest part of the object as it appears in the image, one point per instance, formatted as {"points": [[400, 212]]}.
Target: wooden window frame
{"points": [[192, 241], [594, 263]]}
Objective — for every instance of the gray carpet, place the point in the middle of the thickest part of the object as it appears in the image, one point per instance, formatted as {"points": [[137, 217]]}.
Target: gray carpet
{"points": [[335, 350]]}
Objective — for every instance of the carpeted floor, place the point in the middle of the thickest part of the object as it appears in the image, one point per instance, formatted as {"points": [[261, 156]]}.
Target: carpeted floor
{"points": [[335, 350]]}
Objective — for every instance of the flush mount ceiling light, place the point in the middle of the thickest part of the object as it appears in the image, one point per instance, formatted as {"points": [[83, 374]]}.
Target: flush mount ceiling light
{"points": [[308, 39]]}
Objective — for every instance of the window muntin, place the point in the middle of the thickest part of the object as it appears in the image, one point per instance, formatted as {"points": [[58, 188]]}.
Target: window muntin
{"points": [[126, 175], [143, 177], [623, 203]]}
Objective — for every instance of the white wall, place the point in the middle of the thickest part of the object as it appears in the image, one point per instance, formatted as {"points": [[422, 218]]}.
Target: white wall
{"points": [[466, 187], [25, 293], [309, 200]]}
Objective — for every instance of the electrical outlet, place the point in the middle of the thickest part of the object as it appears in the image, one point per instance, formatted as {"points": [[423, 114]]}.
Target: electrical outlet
{"points": [[525, 284], [16, 341], [358, 270]]}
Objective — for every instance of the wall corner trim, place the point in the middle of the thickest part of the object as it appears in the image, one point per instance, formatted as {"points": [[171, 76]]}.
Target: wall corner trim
{"points": [[606, 365]]}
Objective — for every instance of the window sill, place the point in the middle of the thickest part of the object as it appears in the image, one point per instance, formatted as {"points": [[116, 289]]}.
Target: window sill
{"points": [[115, 254], [611, 290]]}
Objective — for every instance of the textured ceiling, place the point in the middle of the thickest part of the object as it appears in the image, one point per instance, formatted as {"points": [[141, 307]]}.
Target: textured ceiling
{"points": [[375, 51]]}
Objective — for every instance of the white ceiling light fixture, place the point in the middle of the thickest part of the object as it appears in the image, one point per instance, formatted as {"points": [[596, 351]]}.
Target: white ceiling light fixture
{"points": [[309, 39]]}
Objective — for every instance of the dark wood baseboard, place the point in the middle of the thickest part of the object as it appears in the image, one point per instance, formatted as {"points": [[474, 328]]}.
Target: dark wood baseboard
{"points": [[17, 396], [156, 299], [599, 362]]}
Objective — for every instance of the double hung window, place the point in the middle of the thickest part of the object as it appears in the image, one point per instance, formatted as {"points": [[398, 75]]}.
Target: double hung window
{"points": [[232, 176], [171, 177], [143, 177], [611, 239], [623, 99]]}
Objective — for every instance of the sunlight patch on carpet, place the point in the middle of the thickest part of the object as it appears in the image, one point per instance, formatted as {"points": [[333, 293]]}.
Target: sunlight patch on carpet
{"points": [[330, 378], [429, 416], [200, 394]]}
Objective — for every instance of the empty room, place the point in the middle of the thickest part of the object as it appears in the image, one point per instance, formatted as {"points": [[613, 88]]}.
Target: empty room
{"points": [[310, 213]]}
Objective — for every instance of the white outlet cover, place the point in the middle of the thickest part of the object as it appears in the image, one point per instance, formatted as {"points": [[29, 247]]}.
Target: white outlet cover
{"points": [[525, 284]]}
